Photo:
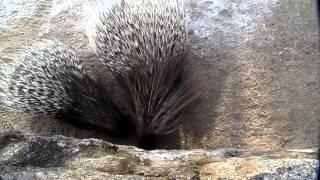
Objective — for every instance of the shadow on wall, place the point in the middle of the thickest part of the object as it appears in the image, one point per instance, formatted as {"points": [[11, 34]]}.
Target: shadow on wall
{"points": [[201, 117], [260, 76]]}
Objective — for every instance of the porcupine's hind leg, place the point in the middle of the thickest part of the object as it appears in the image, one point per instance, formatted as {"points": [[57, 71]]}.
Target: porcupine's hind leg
{"points": [[49, 79]]}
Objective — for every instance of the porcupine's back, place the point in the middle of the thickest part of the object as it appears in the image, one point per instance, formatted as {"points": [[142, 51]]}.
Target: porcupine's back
{"points": [[30, 83], [143, 43], [48, 79], [137, 32]]}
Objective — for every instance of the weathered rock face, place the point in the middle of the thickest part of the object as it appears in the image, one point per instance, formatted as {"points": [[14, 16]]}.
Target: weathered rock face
{"points": [[259, 65], [26, 156], [258, 62]]}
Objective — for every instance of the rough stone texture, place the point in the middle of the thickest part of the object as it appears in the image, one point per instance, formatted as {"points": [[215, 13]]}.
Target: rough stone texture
{"points": [[26, 156], [258, 61]]}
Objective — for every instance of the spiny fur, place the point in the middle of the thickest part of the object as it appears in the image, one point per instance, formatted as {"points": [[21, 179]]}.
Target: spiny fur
{"points": [[143, 42], [49, 79]]}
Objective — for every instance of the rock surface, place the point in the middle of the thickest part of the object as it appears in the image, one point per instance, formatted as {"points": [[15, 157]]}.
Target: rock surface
{"points": [[258, 61], [27, 156]]}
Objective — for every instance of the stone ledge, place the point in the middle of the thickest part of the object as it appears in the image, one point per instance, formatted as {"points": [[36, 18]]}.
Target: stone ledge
{"points": [[27, 156]]}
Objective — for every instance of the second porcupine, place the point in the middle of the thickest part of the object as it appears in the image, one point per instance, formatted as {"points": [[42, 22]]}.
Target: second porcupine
{"points": [[48, 79], [143, 43]]}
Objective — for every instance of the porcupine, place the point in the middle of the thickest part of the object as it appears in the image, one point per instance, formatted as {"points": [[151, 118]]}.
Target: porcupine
{"points": [[143, 43], [49, 79]]}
